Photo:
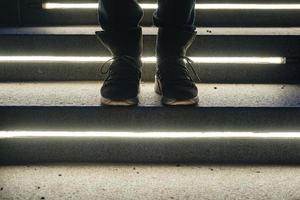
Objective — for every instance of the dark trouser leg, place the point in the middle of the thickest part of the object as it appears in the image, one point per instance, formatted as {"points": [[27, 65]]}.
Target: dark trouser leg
{"points": [[122, 36], [175, 14], [175, 19], [119, 14]]}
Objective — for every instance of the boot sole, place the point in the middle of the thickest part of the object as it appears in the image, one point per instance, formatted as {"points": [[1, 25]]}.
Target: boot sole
{"points": [[123, 102], [178, 102], [175, 102]]}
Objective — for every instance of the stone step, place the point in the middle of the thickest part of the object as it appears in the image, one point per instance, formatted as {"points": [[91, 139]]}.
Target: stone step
{"points": [[35, 12], [78, 55], [148, 182], [222, 107], [64, 122]]}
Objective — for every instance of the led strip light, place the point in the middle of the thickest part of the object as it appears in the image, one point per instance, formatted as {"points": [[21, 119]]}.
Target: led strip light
{"points": [[228, 6], [91, 59], [54, 134]]}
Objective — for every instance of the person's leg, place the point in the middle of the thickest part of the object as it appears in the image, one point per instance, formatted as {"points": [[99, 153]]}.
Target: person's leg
{"points": [[122, 36], [175, 19], [119, 14], [175, 14]]}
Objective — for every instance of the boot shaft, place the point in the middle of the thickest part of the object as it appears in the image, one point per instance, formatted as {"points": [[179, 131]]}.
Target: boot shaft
{"points": [[123, 43], [173, 43]]}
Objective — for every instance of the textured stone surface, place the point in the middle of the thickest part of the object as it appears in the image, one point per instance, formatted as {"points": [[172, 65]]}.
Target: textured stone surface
{"points": [[76, 106], [150, 182], [90, 30], [210, 42], [83, 93]]}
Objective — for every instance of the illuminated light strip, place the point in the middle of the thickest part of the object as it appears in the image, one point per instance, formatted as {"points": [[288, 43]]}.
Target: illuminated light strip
{"points": [[228, 6], [90, 59], [239, 60], [54, 134], [70, 6], [86, 6], [247, 6], [53, 59]]}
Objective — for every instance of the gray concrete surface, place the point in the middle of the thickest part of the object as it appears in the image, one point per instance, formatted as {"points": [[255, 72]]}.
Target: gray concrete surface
{"points": [[208, 73], [93, 149], [96, 182], [84, 93], [90, 30], [210, 42], [76, 106]]}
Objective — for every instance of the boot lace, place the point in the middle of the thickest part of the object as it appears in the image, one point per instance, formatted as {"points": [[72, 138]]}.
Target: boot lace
{"points": [[187, 66], [106, 66]]}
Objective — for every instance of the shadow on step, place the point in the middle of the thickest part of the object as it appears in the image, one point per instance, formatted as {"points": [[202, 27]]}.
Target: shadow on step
{"points": [[199, 119]]}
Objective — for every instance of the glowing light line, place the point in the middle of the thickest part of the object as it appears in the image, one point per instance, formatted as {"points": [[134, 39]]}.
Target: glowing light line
{"points": [[221, 135], [91, 59], [227, 6]]}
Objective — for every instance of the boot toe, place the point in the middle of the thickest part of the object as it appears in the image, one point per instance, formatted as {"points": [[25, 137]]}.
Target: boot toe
{"points": [[120, 92], [180, 92], [120, 95]]}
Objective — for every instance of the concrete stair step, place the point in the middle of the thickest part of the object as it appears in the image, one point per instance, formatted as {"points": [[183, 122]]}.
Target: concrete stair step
{"points": [[111, 181], [222, 107], [149, 147], [80, 43], [33, 12], [63, 122]]}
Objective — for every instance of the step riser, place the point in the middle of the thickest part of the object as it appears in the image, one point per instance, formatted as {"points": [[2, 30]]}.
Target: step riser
{"points": [[150, 118], [41, 150], [204, 46], [180, 134], [208, 73], [206, 18], [30, 12], [207, 46]]}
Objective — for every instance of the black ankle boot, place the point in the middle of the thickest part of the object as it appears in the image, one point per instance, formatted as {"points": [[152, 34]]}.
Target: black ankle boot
{"points": [[121, 87], [173, 80]]}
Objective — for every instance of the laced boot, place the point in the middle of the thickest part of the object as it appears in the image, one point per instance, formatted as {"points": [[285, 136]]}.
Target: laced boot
{"points": [[122, 84], [173, 80]]}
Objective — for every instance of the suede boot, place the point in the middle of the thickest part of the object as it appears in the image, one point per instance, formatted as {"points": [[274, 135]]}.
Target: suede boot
{"points": [[121, 87], [173, 80]]}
